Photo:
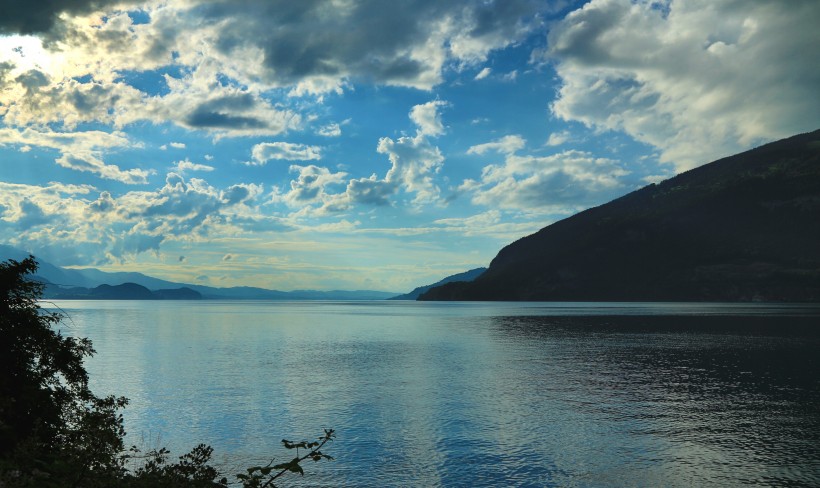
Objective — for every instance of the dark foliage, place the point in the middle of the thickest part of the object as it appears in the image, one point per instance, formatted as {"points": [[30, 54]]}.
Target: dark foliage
{"points": [[54, 432]]}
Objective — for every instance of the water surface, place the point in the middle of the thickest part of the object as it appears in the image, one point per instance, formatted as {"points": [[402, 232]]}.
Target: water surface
{"points": [[473, 394]]}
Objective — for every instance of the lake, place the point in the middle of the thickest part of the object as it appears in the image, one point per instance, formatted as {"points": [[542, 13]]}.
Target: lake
{"points": [[472, 394]]}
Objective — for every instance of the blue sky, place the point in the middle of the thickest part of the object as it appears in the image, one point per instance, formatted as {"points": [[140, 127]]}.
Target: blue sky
{"points": [[348, 144]]}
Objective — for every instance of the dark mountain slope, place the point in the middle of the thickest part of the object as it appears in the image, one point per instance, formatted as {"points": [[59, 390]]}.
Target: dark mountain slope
{"points": [[742, 228], [465, 276]]}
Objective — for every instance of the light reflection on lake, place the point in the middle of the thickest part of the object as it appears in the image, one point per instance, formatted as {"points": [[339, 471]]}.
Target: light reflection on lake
{"points": [[474, 394]]}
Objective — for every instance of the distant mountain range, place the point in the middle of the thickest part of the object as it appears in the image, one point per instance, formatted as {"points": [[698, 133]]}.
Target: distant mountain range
{"points": [[743, 228], [90, 283], [465, 276], [125, 291]]}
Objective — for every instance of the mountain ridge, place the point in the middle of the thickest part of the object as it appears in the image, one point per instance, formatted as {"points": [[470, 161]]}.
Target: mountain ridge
{"points": [[742, 228], [65, 279], [469, 275]]}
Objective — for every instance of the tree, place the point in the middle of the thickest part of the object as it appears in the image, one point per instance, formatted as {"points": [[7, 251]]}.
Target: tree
{"points": [[52, 427], [55, 432]]}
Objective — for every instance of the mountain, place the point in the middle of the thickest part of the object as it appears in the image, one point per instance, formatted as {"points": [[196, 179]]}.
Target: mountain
{"points": [[465, 276], [125, 291], [183, 293], [743, 228], [78, 283]]}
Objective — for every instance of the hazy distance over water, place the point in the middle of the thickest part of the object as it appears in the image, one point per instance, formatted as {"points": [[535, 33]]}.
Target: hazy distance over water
{"points": [[472, 394]]}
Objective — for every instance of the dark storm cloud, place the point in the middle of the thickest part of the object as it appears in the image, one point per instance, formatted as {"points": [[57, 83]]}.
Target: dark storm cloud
{"points": [[369, 38], [38, 16], [221, 113]]}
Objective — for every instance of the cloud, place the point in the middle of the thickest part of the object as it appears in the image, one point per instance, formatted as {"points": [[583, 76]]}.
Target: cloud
{"points": [[309, 45], [505, 145], [567, 180], [697, 79], [264, 152], [370, 191], [483, 74], [81, 151], [511, 76], [38, 17], [310, 186], [330, 130], [204, 101], [96, 227], [177, 145], [37, 97], [427, 118], [186, 165], [558, 138]]}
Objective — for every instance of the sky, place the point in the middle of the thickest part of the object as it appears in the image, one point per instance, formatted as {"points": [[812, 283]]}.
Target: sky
{"points": [[368, 144]]}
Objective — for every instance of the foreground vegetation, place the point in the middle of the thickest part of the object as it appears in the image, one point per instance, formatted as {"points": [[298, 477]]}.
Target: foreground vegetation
{"points": [[54, 432]]}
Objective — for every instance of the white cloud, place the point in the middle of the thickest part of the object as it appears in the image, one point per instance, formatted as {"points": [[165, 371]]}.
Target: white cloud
{"points": [[81, 225], [310, 186], [186, 165], [265, 151], [505, 145], [81, 151], [415, 161], [426, 116], [177, 145], [567, 180], [203, 101], [483, 73], [698, 79], [558, 138], [511, 76], [330, 130]]}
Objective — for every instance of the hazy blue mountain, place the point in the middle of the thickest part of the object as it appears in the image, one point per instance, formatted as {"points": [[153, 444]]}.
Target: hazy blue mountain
{"points": [[51, 273], [125, 291], [183, 293], [81, 282], [465, 276], [104, 277], [341, 295], [742, 228]]}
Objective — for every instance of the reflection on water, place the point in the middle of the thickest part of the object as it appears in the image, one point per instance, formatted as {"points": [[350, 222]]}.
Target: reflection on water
{"points": [[476, 394]]}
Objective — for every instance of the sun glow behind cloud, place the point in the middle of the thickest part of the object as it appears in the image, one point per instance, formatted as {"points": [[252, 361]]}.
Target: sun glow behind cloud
{"points": [[368, 144]]}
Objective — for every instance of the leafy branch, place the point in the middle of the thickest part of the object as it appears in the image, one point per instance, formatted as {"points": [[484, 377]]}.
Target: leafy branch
{"points": [[264, 476]]}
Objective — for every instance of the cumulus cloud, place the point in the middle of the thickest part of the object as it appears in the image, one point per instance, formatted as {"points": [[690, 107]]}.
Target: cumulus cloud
{"points": [[186, 165], [330, 130], [553, 183], [37, 97], [414, 163], [201, 101], [92, 226], [310, 186], [405, 43], [427, 118], [81, 151], [264, 152], [698, 79]]}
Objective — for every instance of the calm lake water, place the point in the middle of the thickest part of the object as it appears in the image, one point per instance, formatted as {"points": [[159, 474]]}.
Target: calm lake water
{"points": [[472, 394]]}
